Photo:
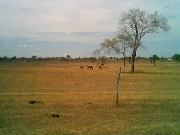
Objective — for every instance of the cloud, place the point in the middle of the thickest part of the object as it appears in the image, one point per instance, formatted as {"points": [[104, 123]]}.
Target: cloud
{"points": [[60, 15], [32, 16], [22, 45], [167, 6], [84, 37], [69, 33], [103, 38]]}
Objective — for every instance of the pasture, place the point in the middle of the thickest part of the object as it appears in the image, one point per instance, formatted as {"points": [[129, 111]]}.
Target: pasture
{"points": [[39, 98]]}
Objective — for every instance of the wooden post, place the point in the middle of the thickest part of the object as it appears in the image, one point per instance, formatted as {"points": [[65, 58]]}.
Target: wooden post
{"points": [[117, 87]]}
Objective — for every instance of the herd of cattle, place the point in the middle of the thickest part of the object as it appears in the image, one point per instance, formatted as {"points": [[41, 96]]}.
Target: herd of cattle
{"points": [[91, 67]]}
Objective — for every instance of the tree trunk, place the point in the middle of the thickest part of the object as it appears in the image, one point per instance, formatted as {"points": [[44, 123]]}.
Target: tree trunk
{"points": [[129, 60], [97, 62], [133, 60], [117, 87], [136, 44], [154, 61], [124, 62], [151, 60], [132, 66], [124, 57]]}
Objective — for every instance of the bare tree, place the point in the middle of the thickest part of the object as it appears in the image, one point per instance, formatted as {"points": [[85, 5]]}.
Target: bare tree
{"points": [[125, 41], [138, 23], [119, 45], [96, 53]]}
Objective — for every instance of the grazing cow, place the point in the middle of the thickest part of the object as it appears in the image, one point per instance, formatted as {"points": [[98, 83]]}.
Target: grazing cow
{"points": [[100, 67], [81, 67], [102, 64], [90, 67]]}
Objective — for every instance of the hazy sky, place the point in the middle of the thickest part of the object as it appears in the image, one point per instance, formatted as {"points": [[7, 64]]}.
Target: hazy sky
{"points": [[54, 28]]}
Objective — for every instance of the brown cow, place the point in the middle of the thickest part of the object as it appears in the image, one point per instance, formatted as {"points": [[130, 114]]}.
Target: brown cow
{"points": [[81, 67], [102, 64], [100, 67], [90, 67]]}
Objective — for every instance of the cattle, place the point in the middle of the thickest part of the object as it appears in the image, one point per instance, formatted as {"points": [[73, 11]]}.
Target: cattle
{"points": [[100, 67], [102, 64], [90, 67], [81, 67]]}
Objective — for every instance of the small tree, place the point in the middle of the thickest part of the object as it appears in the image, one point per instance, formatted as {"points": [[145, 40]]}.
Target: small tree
{"points": [[14, 58], [5, 57], [118, 45], [154, 57], [176, 57], [125, 41], [96, 53], [151, 59], [34, 57], [138, 23], [68, 56]]}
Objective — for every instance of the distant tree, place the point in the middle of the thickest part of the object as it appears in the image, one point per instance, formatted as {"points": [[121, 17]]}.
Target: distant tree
{"points": [[138, 23], [5, 57], [154, 57], [14, 58], [68, 56], [97, 53], [39, 59], [176, 57], [151, 59], [34, 57], [63, 59], [102, 59], [110, 46], [125, 41], [118, 45]]}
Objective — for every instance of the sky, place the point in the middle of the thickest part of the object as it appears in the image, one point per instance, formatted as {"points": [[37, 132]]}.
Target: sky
{"points": [[57, 28]]}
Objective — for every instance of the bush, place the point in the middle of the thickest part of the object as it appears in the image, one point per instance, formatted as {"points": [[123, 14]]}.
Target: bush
{"points": [[176, 57]]}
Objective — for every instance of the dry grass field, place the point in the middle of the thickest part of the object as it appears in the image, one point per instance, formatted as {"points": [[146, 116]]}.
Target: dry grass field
{"points": [[55, 98]]}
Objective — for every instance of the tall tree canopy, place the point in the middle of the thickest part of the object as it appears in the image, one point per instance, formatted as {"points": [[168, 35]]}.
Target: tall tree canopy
{"points": [[136, 24]]}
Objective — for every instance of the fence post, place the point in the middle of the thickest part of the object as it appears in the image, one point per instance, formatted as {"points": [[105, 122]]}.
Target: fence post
{"points": [[117, 87]]}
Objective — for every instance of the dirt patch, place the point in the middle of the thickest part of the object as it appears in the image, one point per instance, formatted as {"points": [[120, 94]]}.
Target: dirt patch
{"points": [[35, 102]]}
